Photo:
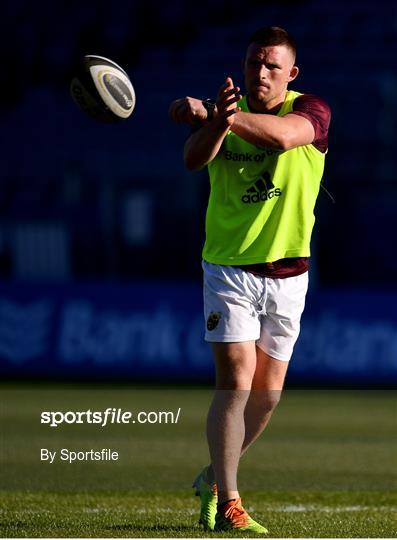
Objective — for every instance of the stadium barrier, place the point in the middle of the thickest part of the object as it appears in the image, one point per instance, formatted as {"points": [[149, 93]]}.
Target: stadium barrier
{"points": [[155, 329]]}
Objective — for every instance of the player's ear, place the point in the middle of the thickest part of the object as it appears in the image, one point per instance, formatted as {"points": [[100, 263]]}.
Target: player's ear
{"points": [[293, 73]]}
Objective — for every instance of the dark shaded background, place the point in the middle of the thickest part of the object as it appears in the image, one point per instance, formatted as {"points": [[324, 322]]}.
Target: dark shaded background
{"points": [[101, 227], [81, 199]]}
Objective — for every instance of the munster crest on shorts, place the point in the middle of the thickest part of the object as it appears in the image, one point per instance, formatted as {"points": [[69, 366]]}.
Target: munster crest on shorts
{"points": [[213, 320]]}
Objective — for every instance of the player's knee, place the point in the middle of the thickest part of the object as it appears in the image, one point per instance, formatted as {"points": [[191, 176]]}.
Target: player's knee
{"points": [[234, 379], [266, 400], [271, 400], [235, 368]]}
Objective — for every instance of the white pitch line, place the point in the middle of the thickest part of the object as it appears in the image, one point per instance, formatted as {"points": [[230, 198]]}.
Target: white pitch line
{"points": [[327, 509], [156, 510], [288, 508]]}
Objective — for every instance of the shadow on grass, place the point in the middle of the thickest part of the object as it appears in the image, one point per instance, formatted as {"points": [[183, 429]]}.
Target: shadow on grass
{"points": [[186, 529]]}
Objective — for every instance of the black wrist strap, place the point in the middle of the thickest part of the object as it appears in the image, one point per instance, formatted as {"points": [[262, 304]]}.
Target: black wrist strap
{"points": [[209, 105]]}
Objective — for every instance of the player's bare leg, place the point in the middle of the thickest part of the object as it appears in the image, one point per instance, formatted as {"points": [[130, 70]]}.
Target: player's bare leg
{"points": [[235, 368], [266, 388], [265, 394]]}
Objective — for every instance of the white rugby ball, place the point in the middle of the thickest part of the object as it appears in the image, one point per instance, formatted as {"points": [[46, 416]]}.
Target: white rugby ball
{"points": [[103, 89]]}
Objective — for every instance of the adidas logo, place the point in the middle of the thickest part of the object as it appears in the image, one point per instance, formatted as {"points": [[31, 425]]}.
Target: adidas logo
{"points": [[262, 190]]}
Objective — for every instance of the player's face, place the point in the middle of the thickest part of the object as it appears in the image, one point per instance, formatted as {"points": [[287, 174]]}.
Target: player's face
{"points": [[267, 72]]}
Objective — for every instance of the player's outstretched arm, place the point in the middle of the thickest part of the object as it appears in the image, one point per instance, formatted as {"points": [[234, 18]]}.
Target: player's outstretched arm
{"points": [[279, 132], [203, 145], [188, 110]]}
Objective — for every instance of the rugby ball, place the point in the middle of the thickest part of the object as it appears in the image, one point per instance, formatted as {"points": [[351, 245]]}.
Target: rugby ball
{"points": [[103, 89]]}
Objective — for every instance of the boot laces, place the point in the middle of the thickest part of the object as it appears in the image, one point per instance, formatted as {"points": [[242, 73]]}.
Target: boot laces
{"points": [[236, 514]]}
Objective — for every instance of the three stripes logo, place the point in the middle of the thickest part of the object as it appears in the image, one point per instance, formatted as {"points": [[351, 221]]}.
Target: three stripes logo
{"points": [[262, 190]]}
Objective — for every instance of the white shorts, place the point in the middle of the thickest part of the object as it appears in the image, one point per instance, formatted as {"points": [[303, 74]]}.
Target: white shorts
{"points": [[240, 306]]}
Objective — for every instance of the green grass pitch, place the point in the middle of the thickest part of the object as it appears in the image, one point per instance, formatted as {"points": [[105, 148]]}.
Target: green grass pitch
{"points": [[325, 467]]}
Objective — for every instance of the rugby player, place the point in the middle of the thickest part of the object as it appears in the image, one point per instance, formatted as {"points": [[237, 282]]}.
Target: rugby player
{"points": [[265, 155]]}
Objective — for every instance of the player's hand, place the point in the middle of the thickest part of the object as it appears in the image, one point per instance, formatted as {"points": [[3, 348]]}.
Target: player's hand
{"points": [[187, 110], [228, 96]]}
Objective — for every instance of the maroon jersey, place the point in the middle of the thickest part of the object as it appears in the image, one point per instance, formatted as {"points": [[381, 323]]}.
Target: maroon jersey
{"points": [[318, 113]]}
